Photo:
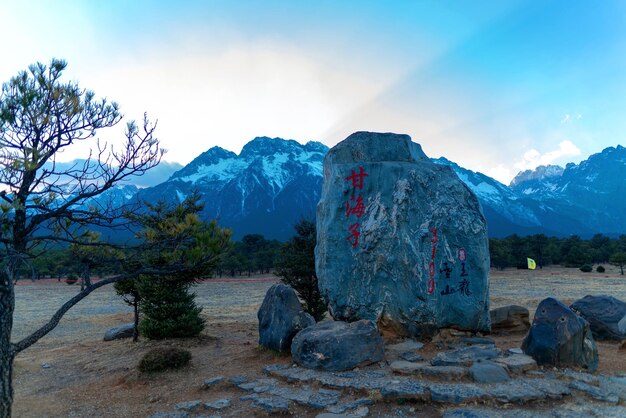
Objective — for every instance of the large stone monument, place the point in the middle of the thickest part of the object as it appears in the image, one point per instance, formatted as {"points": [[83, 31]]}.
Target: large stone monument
{"points": [[400, 240]]}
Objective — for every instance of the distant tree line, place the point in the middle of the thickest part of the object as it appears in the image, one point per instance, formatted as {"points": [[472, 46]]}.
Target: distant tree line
{"points": [[254, 254], [572, 251]]}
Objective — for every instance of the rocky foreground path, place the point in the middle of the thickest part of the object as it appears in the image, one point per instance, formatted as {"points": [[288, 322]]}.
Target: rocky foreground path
{"points": [[472, 379]]}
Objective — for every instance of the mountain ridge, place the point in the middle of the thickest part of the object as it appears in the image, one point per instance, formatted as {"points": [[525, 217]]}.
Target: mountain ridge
{"points": [[272, 183]]}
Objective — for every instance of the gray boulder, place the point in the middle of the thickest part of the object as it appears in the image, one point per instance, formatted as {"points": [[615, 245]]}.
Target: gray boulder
{"points": [[604, 314], [400, 240], [512, 318], [119, 332], [560, 337], [281, 317], [336, 345]]}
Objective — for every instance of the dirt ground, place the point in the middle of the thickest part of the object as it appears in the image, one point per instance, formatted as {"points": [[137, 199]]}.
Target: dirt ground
{"points": [[73, 373]]}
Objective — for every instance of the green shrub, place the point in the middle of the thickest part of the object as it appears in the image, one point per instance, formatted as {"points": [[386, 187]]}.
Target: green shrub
{"points": [[600, 269], [586, 268], [71, 279], [164, 358], [169, 309]]}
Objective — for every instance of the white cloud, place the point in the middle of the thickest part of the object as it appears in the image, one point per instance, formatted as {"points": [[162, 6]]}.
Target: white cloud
{"points": [[533, 158]]}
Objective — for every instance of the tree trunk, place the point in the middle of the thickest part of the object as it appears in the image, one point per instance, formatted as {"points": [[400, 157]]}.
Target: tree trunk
{"points": [[7, 306], [136, 328]]}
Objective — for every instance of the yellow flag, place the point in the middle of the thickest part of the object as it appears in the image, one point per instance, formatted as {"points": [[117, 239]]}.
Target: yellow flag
{"points": [[531, 264]]}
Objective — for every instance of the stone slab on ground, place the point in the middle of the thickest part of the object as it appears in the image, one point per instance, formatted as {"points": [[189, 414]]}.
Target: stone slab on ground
{"points": [[219, 404], [188, 406], [517, 363], [567, 410], [423, 368], [526, 390], [594, 391], [272, 404], [465, 356], [455, 393], [488, 372], [614, 384], [406, 345]]}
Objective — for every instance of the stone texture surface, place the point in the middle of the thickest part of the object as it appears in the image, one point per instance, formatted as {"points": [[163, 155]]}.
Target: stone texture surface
{"points": [[337, 345], [119, 332], [517, 363], [560, 337], [512, 318], [465, 356], [188, 406], [281, 317], [425, 369], [488, 372], [380, 239], [604, 314]]}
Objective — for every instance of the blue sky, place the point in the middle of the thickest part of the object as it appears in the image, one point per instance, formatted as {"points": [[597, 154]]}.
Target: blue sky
{"points": [[496, 86]]}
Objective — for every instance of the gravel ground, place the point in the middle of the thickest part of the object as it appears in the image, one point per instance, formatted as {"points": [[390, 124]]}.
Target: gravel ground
{"points": [[223, 299], [238, 299]]}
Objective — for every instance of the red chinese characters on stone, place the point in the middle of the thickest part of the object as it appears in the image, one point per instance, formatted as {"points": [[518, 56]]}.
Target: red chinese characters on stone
{"points": [[358, 209], [355, 206], [357, 178], [354, 236]]}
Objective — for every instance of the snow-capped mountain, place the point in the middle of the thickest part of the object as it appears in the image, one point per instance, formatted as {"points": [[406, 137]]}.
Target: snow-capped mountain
{"points": [[266, 189], [273, 183], [543, 179]]}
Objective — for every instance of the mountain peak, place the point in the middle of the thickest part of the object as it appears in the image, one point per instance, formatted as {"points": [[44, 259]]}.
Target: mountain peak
{"points": [[263, 146], [543, 172]]}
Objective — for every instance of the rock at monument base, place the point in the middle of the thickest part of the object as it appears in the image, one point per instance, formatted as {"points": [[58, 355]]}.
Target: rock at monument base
{"points": [[559, 337], [512, 318], [281, 317], [119, 332], [604, 314], [337, 345], [401, 241]]}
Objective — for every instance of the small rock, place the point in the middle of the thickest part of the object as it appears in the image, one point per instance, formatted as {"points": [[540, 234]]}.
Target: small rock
{"points": [[464, 356], [178, 414], [411, 356], [324, 398], [281, 317], [488, 372], [512, 318], [337, 345], [515, 350], [214, 381], [595, 392], [340, 409], [45, 366], [614, 384], [272, 405], [604, 314], [476, 341], [239, 379], [406, 367], [188, 406], [517, 363], [559, 337], [406, 345], [581, 376], [119, 332], [455, 393], [219, 404]]}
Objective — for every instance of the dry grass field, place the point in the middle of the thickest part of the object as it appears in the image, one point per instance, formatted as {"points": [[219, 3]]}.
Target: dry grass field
{"points": [[86, 377]]}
